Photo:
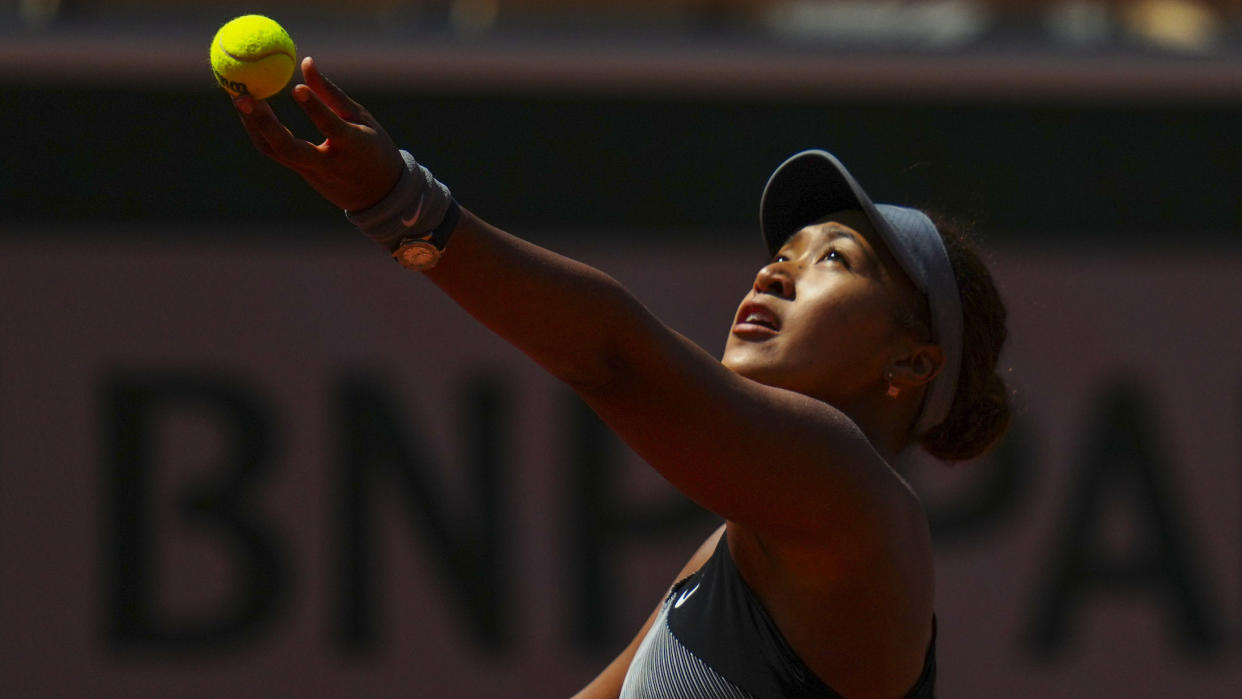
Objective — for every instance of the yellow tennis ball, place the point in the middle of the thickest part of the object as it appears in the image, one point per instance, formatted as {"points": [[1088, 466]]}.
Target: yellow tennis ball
{"points": [[253, 55]]}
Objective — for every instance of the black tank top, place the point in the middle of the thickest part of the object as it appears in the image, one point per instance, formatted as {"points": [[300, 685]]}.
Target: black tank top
{"points": [[713, 638]]}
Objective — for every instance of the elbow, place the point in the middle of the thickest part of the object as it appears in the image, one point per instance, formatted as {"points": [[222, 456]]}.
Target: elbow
{"points": [[610, 346], [596, 373]]}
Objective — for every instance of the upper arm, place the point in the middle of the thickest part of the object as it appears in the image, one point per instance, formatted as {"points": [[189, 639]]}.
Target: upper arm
{"points": [[776, 461]]}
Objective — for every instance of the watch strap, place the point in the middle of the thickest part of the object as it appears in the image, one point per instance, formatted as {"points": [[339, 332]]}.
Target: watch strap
{"points": [[421, 253]]}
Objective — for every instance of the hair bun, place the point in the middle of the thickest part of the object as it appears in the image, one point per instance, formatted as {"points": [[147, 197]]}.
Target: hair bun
{"points": [[973, 425]]}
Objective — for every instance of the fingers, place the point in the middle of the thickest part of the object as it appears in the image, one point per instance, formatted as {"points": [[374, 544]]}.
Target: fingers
{"points": [[353, 167], [259, 142], [270, 136], [321, 115], [334, 97]]}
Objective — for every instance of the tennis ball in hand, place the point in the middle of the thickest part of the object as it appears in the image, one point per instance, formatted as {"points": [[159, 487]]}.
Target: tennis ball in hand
{"points": [[253, 55]]}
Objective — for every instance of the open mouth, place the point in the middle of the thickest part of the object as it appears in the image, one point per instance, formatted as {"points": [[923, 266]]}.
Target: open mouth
{"points": [[756, 319]]}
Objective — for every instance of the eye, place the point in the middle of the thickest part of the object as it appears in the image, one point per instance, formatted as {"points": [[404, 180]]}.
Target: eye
{"points": [[835, 255]]}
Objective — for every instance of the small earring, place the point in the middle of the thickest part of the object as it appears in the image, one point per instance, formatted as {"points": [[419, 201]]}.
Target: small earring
{"points": [[893, 391]]}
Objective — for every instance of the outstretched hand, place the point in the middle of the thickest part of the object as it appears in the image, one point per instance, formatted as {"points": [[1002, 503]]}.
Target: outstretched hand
{"points": [[356, 164]]}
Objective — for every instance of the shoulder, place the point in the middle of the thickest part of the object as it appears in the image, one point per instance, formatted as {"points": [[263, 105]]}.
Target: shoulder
{"points": [[852, 608], [846, 532], [885, 545], [892, 539]]}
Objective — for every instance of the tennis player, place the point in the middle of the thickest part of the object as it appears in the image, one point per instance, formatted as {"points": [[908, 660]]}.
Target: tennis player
{"points": [[868, 331]]}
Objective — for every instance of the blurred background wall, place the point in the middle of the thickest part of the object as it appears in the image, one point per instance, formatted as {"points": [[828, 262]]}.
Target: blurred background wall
{"points": [[242, 453]]}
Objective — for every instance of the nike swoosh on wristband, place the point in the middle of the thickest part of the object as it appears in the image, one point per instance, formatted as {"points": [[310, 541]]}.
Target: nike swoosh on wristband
{"points": [[410, 221]]}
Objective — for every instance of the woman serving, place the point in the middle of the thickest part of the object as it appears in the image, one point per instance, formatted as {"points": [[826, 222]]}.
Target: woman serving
{"points": [[868, 331]]}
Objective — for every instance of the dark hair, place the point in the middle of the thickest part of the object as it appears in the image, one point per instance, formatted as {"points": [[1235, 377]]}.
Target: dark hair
{"points": [[980, 413]]}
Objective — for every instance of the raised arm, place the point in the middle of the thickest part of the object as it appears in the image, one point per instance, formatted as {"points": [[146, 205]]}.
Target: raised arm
{"points": [[765, 457]]}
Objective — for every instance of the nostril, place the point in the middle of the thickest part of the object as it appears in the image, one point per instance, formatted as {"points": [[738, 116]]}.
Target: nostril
{"points": [[774, 281]]}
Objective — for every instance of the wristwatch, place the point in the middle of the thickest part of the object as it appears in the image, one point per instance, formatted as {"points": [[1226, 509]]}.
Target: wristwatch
{"points": [[421, 253]]}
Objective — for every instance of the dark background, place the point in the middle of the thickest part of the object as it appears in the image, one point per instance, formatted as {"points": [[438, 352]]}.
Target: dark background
{"points": [[643, 118], [1103, 171]]}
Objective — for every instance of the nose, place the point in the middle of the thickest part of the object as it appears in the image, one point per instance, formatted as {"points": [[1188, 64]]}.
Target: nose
{"points": [[775, 279]]}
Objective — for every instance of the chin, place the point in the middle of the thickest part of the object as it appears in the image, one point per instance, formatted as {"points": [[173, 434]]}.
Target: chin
{"points": [[731, 362], [755, 371]]}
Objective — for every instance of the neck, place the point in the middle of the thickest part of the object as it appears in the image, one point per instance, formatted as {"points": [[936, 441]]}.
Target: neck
{"points": [[888, 422]]}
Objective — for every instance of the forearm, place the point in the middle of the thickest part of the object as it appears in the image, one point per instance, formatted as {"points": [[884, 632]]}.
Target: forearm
{"points": [[567, 316], [672, 402], [572, 319]]}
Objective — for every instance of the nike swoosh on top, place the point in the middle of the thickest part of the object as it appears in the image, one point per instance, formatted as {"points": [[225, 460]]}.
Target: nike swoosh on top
{"points": [[681, 599]]}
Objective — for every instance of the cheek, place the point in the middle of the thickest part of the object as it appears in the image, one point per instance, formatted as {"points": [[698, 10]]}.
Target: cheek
{"points": [[872, 324], [857, 332], [849, 310]]}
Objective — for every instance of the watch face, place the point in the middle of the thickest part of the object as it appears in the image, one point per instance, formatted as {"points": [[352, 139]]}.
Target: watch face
{"points": [[419, 255]]}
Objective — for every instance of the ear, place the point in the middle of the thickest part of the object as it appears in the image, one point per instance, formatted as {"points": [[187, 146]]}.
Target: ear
{"points": [[918, 367]]}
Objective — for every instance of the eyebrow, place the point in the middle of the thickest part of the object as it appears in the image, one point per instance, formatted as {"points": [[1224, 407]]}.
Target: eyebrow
{"points": [[837, 230], [840, 230]]}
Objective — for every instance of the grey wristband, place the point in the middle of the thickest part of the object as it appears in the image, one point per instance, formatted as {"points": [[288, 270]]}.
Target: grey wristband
{"points": [[416, 205]]}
